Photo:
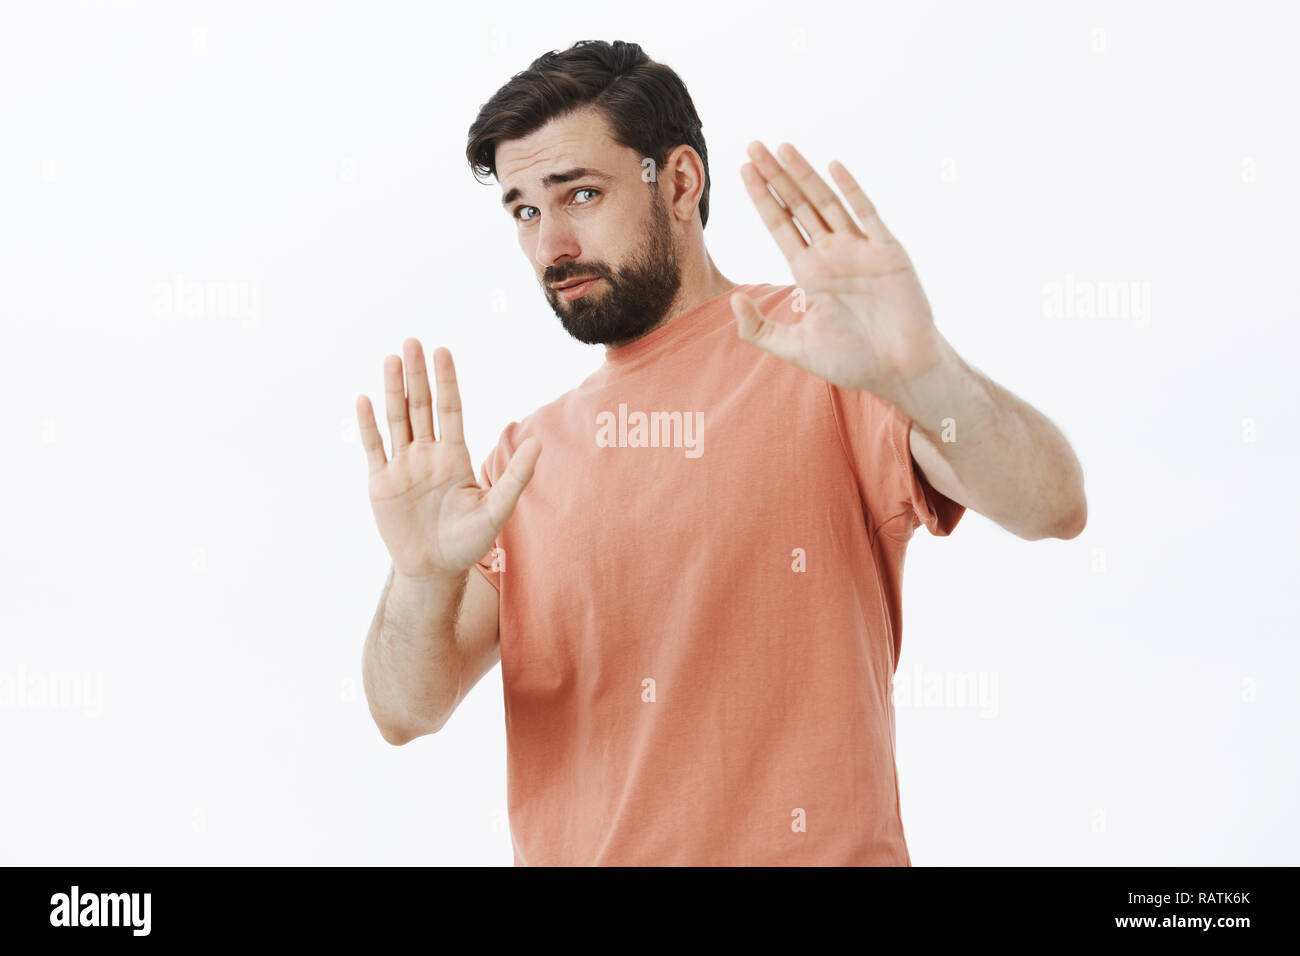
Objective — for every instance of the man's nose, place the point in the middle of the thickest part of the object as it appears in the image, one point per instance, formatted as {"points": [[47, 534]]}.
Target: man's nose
{"points": [[555, 242]]}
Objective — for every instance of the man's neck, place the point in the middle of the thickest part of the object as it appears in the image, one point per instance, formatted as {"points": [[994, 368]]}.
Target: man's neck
{"points": [[694, 292]]}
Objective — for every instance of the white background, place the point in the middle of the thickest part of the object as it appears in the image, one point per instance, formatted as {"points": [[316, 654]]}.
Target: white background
{"points": [[185, 516]]}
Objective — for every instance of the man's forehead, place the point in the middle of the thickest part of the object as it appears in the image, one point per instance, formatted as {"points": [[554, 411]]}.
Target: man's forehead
{"points": [[574, 143]]}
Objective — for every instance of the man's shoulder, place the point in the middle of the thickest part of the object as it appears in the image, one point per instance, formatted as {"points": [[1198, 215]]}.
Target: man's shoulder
{"points": [[540, 419], [779, 298]]}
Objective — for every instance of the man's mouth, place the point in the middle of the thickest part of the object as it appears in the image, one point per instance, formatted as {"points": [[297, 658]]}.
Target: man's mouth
{"points": [[576, 287]]}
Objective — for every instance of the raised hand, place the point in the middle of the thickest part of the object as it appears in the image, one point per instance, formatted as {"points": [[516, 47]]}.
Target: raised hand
{"points": [[867, 323], [432, 514]]}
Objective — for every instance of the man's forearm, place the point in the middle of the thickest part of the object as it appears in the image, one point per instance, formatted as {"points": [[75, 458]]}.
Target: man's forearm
{"points": [[1016, 466], [411, 669]]}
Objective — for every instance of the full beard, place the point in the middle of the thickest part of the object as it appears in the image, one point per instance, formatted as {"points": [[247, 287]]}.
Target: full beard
{"points": [[632, 302]]}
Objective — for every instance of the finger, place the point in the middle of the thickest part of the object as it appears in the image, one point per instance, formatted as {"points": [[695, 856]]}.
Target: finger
{"points": [[504, 493], [866, 210], [789, 192], [774, 216], [418, 402], [371, 440], [784, 340], [450, 425], [821, 195], [399, 428]]}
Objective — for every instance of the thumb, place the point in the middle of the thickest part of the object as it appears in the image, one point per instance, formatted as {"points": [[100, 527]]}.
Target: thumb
{"points": [[504, 494], [753, 326]]}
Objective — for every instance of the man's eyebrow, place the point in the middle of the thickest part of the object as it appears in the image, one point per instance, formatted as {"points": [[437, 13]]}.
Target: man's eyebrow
{"points": [[555, 179]]}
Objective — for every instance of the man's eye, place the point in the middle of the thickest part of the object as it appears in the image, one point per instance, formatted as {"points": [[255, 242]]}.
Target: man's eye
{"points": [[522, 218]]}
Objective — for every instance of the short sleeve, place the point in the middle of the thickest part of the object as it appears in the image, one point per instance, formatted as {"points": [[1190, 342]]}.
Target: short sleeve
{"points": [[896, 496]]}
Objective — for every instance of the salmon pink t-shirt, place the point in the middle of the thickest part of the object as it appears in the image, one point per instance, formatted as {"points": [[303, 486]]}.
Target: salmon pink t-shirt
{"points": [[700, 612]]}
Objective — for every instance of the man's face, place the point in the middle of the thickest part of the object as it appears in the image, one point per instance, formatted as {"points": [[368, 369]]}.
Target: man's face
{"points": [[604, 221]]}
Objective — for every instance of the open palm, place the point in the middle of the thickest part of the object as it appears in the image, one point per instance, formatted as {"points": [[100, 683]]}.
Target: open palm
{"points": [[432, 514], [865, 322]]}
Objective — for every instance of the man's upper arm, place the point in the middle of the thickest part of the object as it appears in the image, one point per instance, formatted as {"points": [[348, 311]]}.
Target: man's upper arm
{"points": [[477, 637]]}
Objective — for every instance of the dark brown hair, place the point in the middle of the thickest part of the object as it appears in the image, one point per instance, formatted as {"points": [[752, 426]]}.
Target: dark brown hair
{"points": [[645, 103]]}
